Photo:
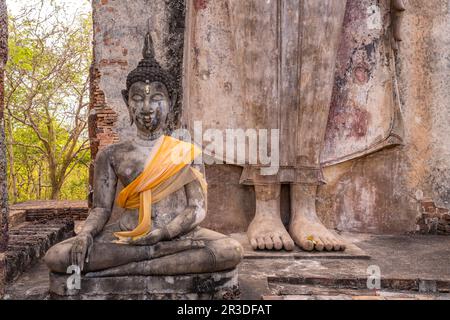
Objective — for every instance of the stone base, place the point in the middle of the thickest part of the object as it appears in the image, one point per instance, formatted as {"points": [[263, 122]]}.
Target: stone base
{"points": [[208, 286], [352, 252]]}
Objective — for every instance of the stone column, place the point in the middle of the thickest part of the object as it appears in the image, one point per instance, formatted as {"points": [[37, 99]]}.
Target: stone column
{"points": [[3, 187]]}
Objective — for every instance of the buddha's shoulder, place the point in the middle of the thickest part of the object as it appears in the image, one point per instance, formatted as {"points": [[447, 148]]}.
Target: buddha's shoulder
{"points": [[117, 149]]}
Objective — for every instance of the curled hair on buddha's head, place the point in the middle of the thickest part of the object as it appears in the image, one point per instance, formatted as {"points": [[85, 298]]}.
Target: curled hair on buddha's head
{"points": [[149, 70]]}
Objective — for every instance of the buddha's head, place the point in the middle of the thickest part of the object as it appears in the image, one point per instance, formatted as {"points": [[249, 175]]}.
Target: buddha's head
{"points": [[148, 95]]}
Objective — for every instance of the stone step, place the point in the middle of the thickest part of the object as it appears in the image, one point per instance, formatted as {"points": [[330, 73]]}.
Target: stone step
{"points": [[390, 296], [29, 243], [315, 292], [298, 284]]}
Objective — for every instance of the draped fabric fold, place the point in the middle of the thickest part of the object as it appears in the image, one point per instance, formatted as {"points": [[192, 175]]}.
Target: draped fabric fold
{"points": [[167, 170]]}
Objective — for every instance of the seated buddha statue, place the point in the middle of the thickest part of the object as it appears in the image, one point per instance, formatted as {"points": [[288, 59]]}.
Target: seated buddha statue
{"points": [[163, 203]]}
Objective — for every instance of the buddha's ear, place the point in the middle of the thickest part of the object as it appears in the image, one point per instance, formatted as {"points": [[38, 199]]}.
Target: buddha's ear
{"points": [[125, 96], [125, 99]]}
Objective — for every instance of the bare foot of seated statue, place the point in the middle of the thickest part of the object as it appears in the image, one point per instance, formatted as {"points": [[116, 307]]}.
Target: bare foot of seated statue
{"points": [[305, 228], [267, 232]]}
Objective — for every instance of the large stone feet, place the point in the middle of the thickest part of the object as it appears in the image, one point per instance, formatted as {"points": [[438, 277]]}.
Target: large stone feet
{"points": [[305, 227], [267, 232]]}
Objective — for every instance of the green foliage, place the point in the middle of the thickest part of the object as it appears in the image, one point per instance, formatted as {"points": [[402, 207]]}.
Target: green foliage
{"points": [[46, 98]]}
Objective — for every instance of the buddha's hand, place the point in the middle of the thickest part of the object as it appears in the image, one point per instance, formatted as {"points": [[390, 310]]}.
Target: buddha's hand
{"points": [[81, 250], [150, 239]]}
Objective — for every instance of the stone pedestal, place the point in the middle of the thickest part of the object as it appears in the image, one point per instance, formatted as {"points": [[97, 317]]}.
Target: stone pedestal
{"points": [[209, 286]]}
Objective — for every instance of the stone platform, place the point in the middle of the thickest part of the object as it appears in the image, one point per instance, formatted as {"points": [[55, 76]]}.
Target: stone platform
{"points": [[409, 265], [412, 267], [351, 252], [210, 286]]}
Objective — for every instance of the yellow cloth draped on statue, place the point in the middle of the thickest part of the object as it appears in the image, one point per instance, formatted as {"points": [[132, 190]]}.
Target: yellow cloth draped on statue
{"points": [[167, 170]]}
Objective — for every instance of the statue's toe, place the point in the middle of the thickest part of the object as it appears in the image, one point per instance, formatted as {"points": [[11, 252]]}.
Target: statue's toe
{"points": [[306, 244], [335, 246], [269, 242], [319, 245], [288, 243], [254, 243], [329, 243], [277, 242], [261, 243], [340, 245]]}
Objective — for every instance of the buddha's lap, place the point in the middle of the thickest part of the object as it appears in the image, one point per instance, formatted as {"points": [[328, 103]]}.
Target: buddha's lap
{"points": [[210, 237]]}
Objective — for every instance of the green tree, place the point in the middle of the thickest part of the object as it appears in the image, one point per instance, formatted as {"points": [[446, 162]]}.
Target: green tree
{"points": [[46, 98]]}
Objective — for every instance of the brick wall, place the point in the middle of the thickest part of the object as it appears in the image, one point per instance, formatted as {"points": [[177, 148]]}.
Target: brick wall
{"points": [[433, 219], [101, 118], [101, 122]]}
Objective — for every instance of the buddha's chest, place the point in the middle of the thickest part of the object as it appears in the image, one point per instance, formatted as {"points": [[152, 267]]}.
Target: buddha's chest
{"points": [[129, 166], [163, 211]]}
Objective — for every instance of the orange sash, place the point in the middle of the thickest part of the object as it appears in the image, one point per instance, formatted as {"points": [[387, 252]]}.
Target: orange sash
{"points": [[167, 170]]}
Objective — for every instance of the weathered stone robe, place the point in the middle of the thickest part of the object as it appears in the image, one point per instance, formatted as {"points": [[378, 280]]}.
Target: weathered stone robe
{"points": [[320, 71]]}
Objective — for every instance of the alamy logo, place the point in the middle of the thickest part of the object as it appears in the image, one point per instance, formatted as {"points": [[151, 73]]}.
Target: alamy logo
{"points": [[260, 147], [374, 279], [74, 281]]}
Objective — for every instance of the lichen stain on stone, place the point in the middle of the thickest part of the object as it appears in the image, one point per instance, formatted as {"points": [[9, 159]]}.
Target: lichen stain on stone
{"points": [[359, 120], [170, 280], [228, 87], [200, 4], [361, 75], [205, 74], [370, 49], [374, 20], [196, 60], [350, 117]]}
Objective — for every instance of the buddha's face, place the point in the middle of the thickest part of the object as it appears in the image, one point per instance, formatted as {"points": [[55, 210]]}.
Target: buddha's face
{"points": [[148, 104]]}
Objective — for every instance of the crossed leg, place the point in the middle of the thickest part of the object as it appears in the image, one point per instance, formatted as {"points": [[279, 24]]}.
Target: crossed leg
{"points": [[107, 255], [216, 255], [206, 251]]}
